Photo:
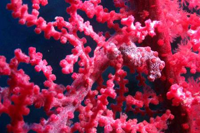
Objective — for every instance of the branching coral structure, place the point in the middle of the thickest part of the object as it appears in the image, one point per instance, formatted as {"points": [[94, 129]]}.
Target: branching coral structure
{"points": [[144, 40]]}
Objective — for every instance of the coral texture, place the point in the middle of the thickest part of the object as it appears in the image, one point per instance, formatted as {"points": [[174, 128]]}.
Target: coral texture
{"points": [[157, 41]]}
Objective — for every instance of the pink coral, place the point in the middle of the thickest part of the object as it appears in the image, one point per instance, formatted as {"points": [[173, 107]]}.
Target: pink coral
{"points": [[143, 42]]}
